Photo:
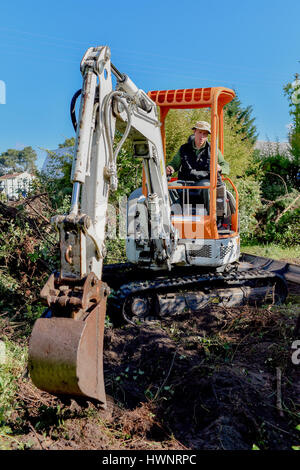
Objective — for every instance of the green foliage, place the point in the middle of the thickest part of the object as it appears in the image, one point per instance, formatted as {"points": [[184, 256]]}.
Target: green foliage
{"points": [[69, 142], [280, 220], [249, 203], [292, 90], [278, 217], [129, 168], [10, 369], [288, 228], [272, 250], [22, 252], [18, 160], [238, 149], [56, 180], [243, 118], [115, 251], [277, 174]]}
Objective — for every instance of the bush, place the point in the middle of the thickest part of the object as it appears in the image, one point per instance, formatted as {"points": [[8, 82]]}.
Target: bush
{"points": [[249, 204], [279, 176], [56, 180], [288, 228], [276, 225]]}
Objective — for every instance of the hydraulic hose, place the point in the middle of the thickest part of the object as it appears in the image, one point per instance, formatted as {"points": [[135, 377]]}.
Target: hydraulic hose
{"points": [[72, 108], [113, 155]]}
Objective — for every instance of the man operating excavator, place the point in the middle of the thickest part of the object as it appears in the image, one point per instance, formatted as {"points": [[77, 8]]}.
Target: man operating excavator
{"points": [[176, 262], [192, 161]]}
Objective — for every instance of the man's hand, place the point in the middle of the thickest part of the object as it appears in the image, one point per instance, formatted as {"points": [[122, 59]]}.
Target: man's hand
{"points": [[219, 168], [170, 170], [199, 174]]}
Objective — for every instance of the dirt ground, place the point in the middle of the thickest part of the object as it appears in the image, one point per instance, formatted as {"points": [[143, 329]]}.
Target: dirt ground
{"points": [[219, 379], [205, 381]]}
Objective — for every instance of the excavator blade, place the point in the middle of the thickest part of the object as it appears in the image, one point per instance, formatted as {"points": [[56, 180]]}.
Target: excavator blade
{"points": [[65, 355]]}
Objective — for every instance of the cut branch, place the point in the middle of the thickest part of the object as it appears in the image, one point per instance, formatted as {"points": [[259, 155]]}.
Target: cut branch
{"points": [[287, 209], [275, 174], [279, 402]]}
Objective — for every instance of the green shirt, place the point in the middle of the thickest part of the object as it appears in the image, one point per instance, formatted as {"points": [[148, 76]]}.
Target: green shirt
{"points": [[176, 161]]}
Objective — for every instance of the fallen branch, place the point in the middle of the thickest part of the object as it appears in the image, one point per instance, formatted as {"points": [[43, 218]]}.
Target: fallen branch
{"points": [[275, 174], [276, 427], [38, 213], [36, 435], [285, 210], [168, 374], [35, 196]]}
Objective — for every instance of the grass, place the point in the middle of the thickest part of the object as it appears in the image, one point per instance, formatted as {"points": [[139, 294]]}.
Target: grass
{"points": [[271, 250], [12, 364]]}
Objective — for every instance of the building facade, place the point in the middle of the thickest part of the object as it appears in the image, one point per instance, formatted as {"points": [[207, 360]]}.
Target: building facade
{"points": [[15, 185]]}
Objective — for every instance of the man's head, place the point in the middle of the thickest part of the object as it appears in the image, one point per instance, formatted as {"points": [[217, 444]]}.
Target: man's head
{"points": [[201, 130]]}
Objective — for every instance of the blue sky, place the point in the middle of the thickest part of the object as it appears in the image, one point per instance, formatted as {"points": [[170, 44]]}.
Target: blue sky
{"points": [[251, 46]]}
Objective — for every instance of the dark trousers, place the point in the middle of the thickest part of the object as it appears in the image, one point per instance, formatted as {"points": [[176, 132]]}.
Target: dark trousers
{"points": [[197, 199]]}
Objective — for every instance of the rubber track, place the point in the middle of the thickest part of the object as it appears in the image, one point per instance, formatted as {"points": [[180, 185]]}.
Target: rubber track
{"points": [[118, 298], [291, 272]]}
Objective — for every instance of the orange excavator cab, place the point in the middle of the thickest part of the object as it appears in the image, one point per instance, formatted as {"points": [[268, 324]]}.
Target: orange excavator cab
{"points": [[214, 98]]}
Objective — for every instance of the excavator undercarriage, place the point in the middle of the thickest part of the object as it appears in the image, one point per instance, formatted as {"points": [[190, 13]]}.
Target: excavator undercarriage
{"points": [[165, 296]]}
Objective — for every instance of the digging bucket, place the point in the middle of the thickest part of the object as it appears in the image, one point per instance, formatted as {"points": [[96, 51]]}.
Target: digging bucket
{"points": [[66, 355]]}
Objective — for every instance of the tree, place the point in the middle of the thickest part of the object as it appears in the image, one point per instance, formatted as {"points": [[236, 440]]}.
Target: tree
{"points": [[243, 117], [67, 143], [292, 91], [279, 215], [18, 160]]}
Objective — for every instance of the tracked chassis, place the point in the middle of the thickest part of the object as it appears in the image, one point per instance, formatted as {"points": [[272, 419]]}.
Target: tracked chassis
{"points": [[137, 295]]}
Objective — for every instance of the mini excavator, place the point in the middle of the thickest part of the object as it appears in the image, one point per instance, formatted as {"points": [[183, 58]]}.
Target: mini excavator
{"points": [[179, 259]]}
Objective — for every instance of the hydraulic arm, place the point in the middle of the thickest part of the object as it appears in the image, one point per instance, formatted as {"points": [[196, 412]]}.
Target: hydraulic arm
{"points": [[65, 352]]}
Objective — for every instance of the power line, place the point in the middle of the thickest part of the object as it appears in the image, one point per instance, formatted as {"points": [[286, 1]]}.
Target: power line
{"points": [[144, 54]]}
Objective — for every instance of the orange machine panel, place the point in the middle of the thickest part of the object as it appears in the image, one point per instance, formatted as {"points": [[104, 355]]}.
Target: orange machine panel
{"points": [[191, 97], [192, 227]]}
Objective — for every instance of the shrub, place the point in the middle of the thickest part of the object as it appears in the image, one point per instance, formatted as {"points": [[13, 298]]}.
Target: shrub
{"points": [[279, 220], [249, 204], [288, 228]]}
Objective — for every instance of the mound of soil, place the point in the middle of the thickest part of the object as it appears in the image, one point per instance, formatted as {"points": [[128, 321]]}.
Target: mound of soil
{"points": [[206, 381], [209, 377]]}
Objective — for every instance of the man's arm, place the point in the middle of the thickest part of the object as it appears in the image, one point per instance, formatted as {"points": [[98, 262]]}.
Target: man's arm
{"points": [[175, 163], [223, 164]]}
